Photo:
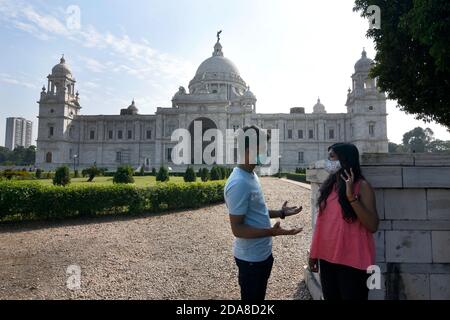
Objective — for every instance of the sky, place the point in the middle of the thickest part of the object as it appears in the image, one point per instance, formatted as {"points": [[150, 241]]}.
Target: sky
{"points": [[290, 52]]}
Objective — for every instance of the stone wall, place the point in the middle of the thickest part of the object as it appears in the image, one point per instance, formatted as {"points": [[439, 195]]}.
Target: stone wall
{"points": [[413, 240]]}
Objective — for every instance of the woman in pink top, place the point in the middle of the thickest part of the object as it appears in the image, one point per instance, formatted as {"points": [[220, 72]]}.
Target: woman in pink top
{"points": [[342, 244]]}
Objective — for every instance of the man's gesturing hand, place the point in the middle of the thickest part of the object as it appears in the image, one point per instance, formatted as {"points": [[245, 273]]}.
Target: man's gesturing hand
{"points": [[277, 230], [290, 211]]}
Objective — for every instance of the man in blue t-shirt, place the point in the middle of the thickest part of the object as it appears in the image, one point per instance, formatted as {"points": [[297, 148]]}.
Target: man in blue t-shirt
{"points": [[250, 222]]}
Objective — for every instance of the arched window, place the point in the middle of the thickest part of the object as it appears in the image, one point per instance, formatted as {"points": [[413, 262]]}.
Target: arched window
{"points": [[48, 157]]}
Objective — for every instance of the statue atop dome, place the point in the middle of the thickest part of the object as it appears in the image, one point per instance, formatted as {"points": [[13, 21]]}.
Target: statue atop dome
{"points": [[218, 35]]}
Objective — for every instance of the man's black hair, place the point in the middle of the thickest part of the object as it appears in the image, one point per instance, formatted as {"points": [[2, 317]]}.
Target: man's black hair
{"points": [[258, 131]]}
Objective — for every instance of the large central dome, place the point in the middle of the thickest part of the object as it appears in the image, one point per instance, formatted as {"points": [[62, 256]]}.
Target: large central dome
{"points": [[217, 64], [215, 72]]}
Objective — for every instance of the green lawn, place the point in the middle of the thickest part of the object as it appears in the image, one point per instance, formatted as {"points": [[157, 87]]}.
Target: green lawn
{"points": [[138, 181]]}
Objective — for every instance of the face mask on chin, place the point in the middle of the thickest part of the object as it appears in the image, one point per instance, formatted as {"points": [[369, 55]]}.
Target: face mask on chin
{"points": [[332, 166]]}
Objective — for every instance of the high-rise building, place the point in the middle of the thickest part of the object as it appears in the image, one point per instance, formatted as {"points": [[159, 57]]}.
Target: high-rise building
{"points": [[18, 132]]}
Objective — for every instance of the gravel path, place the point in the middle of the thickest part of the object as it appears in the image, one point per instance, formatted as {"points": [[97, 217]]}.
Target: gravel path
{"points": [[182, 255]]}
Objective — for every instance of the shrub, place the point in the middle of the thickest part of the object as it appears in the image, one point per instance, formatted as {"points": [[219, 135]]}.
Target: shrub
{"points": [[142, 171], [76, 174], [38, 173], [223, 171], [153, 171], [124, 174], [300, 177], [30, 200], [204, 174], [189, 175], [163, 174], [92, 172], [9, 174], [300, 170], [62, 176], [216, 173]]}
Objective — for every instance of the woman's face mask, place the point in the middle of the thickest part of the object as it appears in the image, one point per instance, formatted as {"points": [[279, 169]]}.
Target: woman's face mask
{"points": [[332, 166]]}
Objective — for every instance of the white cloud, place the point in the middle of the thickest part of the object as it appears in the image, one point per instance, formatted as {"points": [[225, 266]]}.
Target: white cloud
{"points": [[93, 64], [44, 22], [20, 81], [135, 57]]}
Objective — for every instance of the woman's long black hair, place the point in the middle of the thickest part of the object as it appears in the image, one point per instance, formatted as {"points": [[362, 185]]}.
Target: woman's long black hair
{"points": [[348, 156]]}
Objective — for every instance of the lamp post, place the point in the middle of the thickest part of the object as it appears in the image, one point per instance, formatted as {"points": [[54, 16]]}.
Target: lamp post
{"points": [[75, 156], [279, 166]]}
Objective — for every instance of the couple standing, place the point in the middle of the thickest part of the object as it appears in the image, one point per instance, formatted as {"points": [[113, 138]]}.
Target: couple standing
{"points": [[342, 246]]}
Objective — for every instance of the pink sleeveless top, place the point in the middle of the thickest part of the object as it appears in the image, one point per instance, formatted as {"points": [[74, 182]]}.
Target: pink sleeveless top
{"points": [[337, 241]]}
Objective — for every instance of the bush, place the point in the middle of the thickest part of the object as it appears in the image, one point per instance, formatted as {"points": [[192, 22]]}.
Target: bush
{"points": [[223, 172], [92, 172], [204, 174], [216, 173], [300, 177], [300, 170], [189, 175], [153, 171], [30, 200], [9, 174], [142, 171], [124, 174], [163, 174], [38, 173], [76, 174], [62, 176]]}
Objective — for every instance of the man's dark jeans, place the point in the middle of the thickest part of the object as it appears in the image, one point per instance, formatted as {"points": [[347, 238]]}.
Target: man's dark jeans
{"points": [[253, 277]]}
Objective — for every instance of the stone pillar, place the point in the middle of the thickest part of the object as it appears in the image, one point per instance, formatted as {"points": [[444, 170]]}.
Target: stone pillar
{"points": [[413, 203], [158, 140]]}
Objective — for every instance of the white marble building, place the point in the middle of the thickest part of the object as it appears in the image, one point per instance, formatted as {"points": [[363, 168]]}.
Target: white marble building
{"points": [[220, 98]]}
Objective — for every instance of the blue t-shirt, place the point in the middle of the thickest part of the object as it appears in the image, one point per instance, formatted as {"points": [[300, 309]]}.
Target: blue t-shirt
{"points": [[244, 196]]}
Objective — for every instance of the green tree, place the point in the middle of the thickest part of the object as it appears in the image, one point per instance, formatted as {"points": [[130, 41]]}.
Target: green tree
{"points": [[3, 154], [413, 55], [439, 146], [163, 174], [123, 174], [62, 176], [189, 175], [418, 139]]}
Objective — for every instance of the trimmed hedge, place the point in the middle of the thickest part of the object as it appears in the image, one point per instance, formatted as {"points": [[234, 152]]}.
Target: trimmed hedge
{"points": [[32, 200], [300, 177]]}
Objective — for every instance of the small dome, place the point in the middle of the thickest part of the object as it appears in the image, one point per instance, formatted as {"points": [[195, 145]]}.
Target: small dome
{"points": [[181, 92], [363, 64], [132, 108], [61, 69], [248, 94], [319, 107]]}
